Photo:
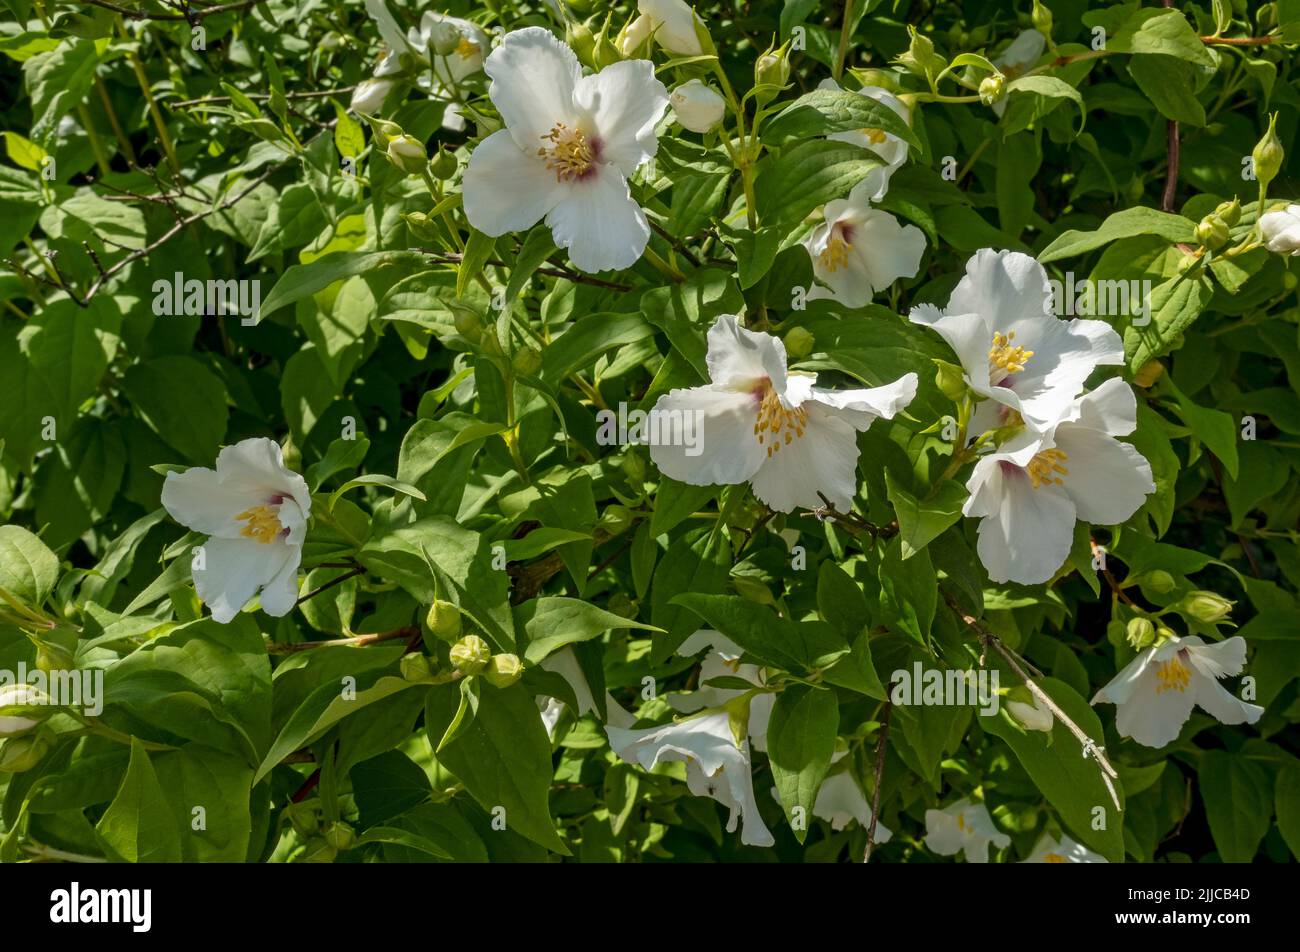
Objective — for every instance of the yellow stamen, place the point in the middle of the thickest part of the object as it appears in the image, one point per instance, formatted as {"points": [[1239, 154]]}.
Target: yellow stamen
{"points": [[569, 156], [874, 136], [1173, 676], [1045, 466], [836, 253], [466, 48], [262, 524], [961, 821], [784, 426], [1054, 858], [1004, 356]]}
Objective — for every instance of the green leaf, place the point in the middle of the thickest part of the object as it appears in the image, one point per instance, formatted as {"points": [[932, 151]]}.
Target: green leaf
{"points": [[812, 173], [28, 569], [769, 638], [1238, 803], [553, 622], [1043, 91], [503, 758], [377, 479], [1138, 220], [800, 743], [138, 825], [1169, 84], [183, 402], [465, 712], [920, 521], [303, 280], [826, 111], [478, 249]]}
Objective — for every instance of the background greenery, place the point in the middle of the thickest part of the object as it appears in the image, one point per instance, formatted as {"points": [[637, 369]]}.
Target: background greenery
{"points": [[224, 162]]}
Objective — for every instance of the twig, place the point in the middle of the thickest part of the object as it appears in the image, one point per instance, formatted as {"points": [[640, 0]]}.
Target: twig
{"points": [[853, 520], [357, 641], [1171, 153], [557, 271], [171, 233], [214, 100], [182, 17], [337, 580], [1237, 40], [881, 741], [1090, 747]]}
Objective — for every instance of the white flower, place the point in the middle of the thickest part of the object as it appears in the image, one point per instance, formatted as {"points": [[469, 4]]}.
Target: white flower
{"points": [[1155, 694], [698, 106], [18, 695], [1064, 850], [840, 801], [760, 424], [717, 765], [1280, 230], [370, 95], [1016, 58], [858, 249], [891, 149], [1029, 493], [1032, 716], [965, 827], [723, 661], [565, 663], [570, 144], [255, 511], [672, 22], [1011, 347]]}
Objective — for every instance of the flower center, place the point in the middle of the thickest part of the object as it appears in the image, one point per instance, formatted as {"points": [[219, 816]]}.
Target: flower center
{"points": [[961, 822], [1173, 676], [836, 253], [1054, 858], [1007, 357], [777, 426], [466, 48], [1045, 466], [261, 523], [570, 155], [874, 136]]}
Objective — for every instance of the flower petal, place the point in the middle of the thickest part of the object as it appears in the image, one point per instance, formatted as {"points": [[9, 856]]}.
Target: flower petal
{"points": [[1028, 534], [234, 570], [824, 460], [738, 357], [256, 467], [1003, 287], [624, 102], [600, 223], [725, 451], [199, 500], [861, 408], [1108, 480], [968, 334], [533, 78], [507, 189], [1153, 717]]}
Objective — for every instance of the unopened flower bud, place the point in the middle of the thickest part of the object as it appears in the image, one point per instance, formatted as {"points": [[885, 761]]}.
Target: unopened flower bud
{"points": [[772, 69], [1026, 710], [1230, 212], [1163, 634], [340, 836], [526, 361], [992, 88], [1041, 18], [443, 165], [1268, 154], [949, 379], [304, 818], [370, 95], [407, 154], [1209, 607], [1140, 633], [444, 621], [615, 519], [22, 707], [1212, 232], [799, 342], [1280, 231], [18, 754], [697, 106], [503, 670], [384, 132], [421, 226], [1159, 582], [415, 667], [470, 655], [468, 324], [53, 657], [444, 38], [582, 41], [885, 79]]}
